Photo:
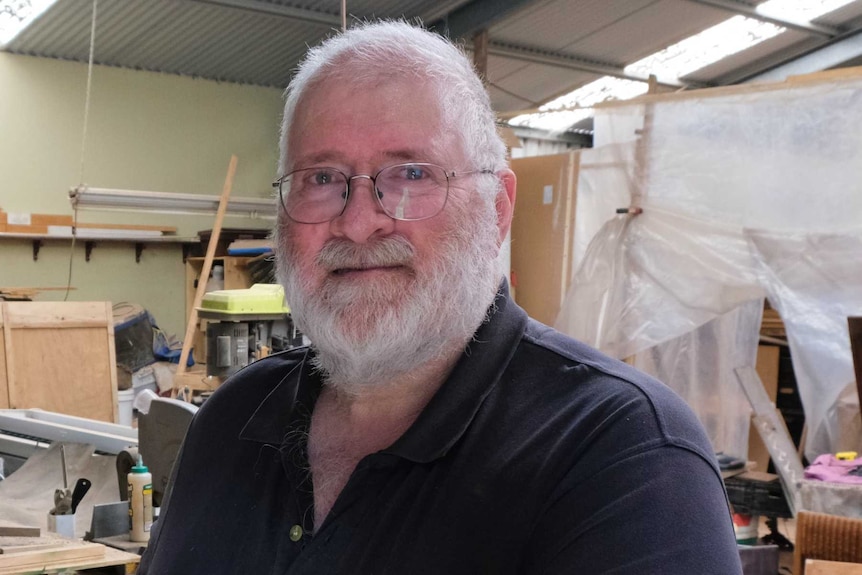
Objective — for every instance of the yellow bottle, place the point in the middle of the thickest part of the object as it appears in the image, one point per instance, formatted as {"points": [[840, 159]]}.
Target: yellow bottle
{"points": [[140, 482]]}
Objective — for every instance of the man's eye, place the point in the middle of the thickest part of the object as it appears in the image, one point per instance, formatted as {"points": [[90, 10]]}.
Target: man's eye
{"points": [[322, 178], [413, 173]]}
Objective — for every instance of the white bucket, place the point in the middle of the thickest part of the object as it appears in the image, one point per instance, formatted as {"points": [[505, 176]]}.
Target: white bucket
{"points": [[125, 399]]}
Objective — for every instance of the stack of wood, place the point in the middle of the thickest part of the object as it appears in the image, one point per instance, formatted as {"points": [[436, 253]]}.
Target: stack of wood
{"points": [[772, 325], [25, 550]]}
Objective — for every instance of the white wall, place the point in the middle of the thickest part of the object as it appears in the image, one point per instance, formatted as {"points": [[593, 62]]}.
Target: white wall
{"points": [[146, 131]]}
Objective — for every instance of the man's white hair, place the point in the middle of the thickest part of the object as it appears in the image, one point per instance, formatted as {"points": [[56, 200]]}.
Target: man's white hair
{"points": [[391, 49]]}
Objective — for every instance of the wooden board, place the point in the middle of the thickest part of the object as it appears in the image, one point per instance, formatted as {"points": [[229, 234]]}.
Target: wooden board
{"points": [[108, 558], [41, 552], [542, 231], [130, 227], [823, 567], [60, 357]]}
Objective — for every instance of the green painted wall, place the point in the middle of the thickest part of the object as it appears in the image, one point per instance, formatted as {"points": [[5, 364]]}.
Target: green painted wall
{"points": [[146, 131]]}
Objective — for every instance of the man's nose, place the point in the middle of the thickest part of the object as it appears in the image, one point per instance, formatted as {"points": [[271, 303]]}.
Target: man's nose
{"points": [[363, 218]]}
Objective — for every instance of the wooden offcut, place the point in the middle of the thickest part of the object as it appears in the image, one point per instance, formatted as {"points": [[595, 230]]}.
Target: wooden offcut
{"points": [[38, 558], [823, 567], [59, 356]]}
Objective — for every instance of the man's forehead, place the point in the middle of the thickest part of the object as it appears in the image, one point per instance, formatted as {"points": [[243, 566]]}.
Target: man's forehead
{"points": [[396, 120]]}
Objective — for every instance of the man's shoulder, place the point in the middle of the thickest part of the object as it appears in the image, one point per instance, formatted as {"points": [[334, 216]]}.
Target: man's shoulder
{"points": [[562, 352], [593, 381]]}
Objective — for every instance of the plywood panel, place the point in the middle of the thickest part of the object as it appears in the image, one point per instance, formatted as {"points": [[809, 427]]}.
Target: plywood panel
{"points": [[4, 387], [60, 357], [542, 229]]}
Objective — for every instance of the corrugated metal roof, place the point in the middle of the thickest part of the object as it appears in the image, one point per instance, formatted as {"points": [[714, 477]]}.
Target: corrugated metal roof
{"points": [[539, 48]]}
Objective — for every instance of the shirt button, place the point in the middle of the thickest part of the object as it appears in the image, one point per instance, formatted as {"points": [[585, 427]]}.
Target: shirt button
{"points": [[295, 533]]}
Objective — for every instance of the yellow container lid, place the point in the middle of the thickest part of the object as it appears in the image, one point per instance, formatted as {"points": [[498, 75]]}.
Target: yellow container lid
{"points": [[258, 299]]}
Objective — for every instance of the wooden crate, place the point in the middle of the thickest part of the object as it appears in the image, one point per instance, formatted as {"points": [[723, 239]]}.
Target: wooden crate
{"points": [[59, 356]]}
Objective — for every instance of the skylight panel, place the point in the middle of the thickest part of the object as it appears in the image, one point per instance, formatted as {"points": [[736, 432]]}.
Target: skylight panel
{"points": [[561, 113], [707, 47], [16, 15], [669, 65], [800, 10]]}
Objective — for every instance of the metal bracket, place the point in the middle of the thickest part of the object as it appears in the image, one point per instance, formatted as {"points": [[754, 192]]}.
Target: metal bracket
{"points": [[37, 245], [775, 436], [139, 247], [88, 249]]}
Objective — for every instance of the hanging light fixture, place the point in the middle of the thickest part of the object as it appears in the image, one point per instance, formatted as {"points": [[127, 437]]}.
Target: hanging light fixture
{"points": [[107, 199]]}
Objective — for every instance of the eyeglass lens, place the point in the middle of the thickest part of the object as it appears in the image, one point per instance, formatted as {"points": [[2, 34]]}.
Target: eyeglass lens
{"points": [[405, 192]]}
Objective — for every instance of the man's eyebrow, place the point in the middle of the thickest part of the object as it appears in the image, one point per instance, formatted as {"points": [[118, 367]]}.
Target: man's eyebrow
{"points": [[407, 155]]}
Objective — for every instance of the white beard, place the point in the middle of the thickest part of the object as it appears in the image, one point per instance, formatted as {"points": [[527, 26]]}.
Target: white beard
{"points": [[368, 333]]}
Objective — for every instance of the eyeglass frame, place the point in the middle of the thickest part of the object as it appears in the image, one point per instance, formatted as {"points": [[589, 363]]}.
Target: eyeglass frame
{"points": [[277, 184]]}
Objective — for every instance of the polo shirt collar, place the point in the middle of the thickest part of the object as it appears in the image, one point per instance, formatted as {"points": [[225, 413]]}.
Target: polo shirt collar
{"points": [[288, 405], [446, 417], [451, 410]]}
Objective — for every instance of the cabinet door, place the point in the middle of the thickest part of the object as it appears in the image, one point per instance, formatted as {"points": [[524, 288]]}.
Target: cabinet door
{"points": [[60, 357]]}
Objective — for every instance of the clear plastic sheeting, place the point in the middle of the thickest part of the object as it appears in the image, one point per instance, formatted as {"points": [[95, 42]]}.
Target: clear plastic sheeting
{"points": [[699, 366], [747, 193]]}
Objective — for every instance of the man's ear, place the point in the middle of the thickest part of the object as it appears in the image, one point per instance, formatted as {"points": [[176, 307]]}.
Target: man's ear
{"points": [[505, 202]]}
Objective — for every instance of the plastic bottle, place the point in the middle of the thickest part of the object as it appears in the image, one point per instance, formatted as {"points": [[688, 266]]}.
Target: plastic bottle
{"points": [[216, 279], [140, 482]]}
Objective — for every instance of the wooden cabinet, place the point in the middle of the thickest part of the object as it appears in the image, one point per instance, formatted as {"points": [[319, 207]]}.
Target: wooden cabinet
{"points": [[59, 356], [236, 276]]}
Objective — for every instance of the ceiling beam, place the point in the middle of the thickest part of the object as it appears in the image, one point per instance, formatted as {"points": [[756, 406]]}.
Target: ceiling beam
{"points": [[751, 12], [572, 63], [467, 20], [270, 9]]}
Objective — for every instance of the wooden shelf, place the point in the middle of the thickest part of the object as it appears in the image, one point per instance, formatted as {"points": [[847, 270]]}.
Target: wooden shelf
{"points": [[91, 239]]}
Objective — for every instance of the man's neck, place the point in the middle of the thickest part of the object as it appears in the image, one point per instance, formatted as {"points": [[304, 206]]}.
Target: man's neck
{"points": [[347, 425]]}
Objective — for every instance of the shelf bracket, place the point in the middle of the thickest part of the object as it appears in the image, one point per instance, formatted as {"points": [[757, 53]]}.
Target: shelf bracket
{"points": [[187, 249], [37, 245], [88, 249], [139, 247]]}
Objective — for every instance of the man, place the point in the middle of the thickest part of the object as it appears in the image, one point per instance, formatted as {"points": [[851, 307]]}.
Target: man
{"points": [[431, 427]]}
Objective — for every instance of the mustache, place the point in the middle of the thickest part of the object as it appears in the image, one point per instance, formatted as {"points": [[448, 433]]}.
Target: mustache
{"points": [[340, 254]]}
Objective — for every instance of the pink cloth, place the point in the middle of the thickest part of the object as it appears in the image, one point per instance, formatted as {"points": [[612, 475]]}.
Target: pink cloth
{"points": [[827, 468]]}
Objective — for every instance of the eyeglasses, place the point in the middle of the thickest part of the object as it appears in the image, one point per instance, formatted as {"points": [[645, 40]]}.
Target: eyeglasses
{"points": [[408, 192]]}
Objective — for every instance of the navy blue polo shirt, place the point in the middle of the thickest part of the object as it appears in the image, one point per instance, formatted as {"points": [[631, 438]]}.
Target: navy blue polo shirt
{"points": [[537, 455]]}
